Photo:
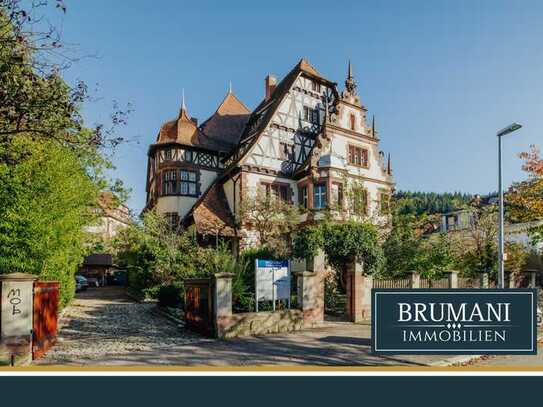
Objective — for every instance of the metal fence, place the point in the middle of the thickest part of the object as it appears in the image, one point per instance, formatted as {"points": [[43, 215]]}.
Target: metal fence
{"points": [[392, 283], [428, 283]]}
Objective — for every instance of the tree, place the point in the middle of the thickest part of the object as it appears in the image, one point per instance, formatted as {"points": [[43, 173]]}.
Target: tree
{"points": [[272, 218], [418, 203], [406, 249], [51, 166], [480, 249], [46, 200], [525, 198], [155, 253]]}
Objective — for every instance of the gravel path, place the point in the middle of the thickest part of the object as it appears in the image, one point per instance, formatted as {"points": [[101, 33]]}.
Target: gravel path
{"points": [[104, 323]]}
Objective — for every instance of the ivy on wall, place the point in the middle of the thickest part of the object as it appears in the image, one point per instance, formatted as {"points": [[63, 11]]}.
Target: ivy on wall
{"points": [[342, 243]]}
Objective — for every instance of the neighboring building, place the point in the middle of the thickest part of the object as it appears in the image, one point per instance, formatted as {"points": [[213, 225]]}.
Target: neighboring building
{"points": [[460, 222], [305, 143], [113, 217]]}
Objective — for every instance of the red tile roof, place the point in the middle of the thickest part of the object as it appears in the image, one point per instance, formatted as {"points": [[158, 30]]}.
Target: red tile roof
{"points": [[211, 214], [185, 131], [227, 123]]}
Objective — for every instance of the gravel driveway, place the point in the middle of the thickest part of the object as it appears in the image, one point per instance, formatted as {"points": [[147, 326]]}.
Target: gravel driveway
{"points": [[105, 327]]}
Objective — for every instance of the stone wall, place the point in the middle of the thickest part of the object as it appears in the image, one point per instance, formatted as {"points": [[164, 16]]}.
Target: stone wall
{"points": [[310, 298], [260, 323]]}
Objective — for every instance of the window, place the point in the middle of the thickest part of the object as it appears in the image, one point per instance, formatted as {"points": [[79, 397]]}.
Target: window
{"points": [[277, 190], [360, 201], [302, 196], [172, 218], [358, 156], [188, 156], [169, 184], [187, 184], [315, 86], [384, 203], [352, 121], [337, 194], [179, 183], [286, 151], [319, 196], [311, 115], [168, 154]]}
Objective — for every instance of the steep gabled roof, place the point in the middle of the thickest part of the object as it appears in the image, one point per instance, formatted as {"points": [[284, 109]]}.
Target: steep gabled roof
{"points": [[211, 214], [262, 115], [227, 123], [212, 208]]}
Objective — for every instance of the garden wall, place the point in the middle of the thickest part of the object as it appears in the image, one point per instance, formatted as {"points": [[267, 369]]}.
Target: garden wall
{"points": [[260, 323]]}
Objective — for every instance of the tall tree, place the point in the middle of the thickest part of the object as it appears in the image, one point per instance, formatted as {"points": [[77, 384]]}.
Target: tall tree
{"points": [[51, 166]]}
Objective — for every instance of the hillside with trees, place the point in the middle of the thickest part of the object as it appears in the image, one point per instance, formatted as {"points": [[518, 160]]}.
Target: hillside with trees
{"points": [[418, 203]]}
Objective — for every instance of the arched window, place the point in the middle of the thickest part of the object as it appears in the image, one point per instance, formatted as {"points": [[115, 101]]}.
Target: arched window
{"points": [[352, 120]]}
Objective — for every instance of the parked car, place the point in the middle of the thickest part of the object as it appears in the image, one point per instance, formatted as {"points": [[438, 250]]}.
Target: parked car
{"points": [[81, 283], [93, 282]]}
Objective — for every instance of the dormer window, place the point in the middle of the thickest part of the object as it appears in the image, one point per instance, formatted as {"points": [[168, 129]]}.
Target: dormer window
{"points": [[315, 86]]}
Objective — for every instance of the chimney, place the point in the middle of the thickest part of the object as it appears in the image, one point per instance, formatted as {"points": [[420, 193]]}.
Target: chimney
{"points": [[270, 84], [194, 120]]}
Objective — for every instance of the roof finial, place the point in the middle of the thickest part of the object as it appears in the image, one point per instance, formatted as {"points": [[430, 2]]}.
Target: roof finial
{"points": [[183, 107], [350, 84], [373, 126], [389, 170], [230, 87]]}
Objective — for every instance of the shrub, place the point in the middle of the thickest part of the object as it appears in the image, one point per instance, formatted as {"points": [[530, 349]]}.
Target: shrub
{"points": [[170, 295], [342, 242]]}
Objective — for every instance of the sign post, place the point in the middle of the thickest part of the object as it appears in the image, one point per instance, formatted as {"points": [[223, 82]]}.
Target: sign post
{"points": [[272, 281]]}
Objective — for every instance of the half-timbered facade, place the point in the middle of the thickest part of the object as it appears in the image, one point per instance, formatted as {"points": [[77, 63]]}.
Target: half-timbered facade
{"points": [[306, 143]]}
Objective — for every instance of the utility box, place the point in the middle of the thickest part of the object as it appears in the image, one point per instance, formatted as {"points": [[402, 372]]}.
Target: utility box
{"points": [[16, 309]]}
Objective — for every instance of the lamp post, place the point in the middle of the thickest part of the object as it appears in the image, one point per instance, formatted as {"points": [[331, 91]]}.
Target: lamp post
{"points": [[501, 275]]}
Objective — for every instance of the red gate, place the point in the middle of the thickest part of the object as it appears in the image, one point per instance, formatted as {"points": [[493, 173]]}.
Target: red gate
{"points": [[199, 306], [45, 317]]}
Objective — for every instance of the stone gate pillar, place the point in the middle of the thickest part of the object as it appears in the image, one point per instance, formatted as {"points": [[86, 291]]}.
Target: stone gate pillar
{"points": [[358, 287], [16, 306], [222, 302], [311, 289]]}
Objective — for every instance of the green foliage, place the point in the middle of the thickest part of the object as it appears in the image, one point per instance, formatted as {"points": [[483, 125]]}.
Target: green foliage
{"points": [[51, 166], [46, 202], [307, 242], [342, 243], [401, 247], [407, 250], [418, 203], [154, 254]]}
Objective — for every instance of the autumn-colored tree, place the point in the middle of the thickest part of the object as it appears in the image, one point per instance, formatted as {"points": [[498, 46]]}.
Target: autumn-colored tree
{"points": [[525, 198]]}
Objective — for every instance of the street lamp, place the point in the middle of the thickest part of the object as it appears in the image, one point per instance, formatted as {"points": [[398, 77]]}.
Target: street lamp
{"points": [[501, 275]]}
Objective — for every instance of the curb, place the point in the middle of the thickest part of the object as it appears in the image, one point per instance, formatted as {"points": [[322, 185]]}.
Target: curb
{"points": [[463, 359]]}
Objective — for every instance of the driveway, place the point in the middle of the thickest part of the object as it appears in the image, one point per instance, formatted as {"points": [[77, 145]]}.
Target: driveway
{"points": [[105, 327]]}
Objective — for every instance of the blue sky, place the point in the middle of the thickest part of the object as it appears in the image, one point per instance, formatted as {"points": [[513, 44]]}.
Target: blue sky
{"points": [[441, 76]]}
